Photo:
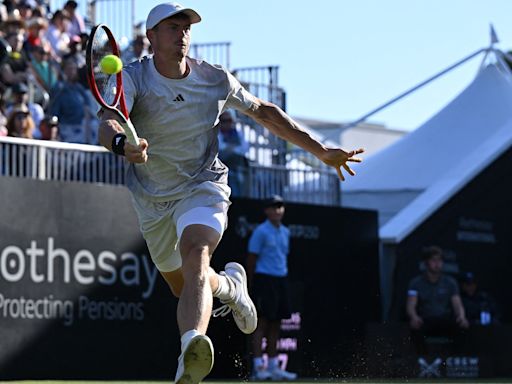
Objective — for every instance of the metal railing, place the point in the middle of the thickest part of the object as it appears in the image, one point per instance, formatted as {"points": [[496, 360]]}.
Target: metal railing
{"points": [[214, 53], [263, 82], [320, 187], [47, 160]]}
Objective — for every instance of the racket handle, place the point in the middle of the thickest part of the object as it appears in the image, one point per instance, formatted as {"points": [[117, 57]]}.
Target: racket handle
{"points": [[131, 134]]}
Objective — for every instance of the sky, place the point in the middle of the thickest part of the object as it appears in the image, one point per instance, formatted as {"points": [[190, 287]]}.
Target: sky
{"points": [[340, 59]]}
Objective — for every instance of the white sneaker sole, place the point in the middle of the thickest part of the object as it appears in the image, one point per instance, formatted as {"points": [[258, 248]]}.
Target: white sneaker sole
{"points": [[249, 328], [197, 360]]}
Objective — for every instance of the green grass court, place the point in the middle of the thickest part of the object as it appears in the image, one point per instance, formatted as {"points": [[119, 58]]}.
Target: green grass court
{"points": [[418, 381]]}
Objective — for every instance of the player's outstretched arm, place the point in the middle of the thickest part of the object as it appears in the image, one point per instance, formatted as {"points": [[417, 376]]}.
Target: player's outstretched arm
{"points": [[279, 123], [111, 126]]}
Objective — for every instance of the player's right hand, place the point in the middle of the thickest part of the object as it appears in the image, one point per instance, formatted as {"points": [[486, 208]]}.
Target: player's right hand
{"points": [[136, 153]]}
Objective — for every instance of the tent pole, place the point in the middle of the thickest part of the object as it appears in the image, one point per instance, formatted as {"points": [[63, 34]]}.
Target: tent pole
{"points": [[402, 95]]}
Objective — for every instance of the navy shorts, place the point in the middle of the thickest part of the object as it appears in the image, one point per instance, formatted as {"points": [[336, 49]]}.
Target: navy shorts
{"points": [[271, 297]]}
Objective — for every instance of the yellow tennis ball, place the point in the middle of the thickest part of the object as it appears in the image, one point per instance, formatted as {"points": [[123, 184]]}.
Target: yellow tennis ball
{"points": [[111, 64]]}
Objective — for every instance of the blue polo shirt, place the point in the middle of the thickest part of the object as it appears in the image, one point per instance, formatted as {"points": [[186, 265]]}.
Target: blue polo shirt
{"points": [[272, 245]]}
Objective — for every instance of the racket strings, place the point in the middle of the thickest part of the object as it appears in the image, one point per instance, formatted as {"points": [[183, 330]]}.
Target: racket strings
{"points": [[106, 84]]}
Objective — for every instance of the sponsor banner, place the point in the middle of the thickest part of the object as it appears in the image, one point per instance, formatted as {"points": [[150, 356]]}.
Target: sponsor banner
{"points": [[81, 299]]}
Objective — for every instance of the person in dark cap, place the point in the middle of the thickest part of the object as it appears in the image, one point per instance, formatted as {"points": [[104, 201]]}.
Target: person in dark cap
{"points": [[19, 89], [481, 308], [49, 128], [267, 268]]}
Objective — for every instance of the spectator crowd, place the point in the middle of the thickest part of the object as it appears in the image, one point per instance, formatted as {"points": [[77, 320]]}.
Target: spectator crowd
{"points": [[43, 82]]}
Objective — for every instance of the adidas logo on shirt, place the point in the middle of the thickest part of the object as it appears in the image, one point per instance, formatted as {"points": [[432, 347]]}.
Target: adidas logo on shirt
{"points": [[179, 98]]}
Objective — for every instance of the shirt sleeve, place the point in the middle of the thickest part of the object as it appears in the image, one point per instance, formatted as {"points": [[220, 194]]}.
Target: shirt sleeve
{"points": [[256, 242], [239, 98]]}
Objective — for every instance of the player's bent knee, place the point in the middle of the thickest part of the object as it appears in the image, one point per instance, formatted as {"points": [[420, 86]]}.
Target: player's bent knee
{"points": [[198, 238], [196, 259]]}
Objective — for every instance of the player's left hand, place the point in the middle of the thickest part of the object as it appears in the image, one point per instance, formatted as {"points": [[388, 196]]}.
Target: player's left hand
{"points": [[338, 158]]}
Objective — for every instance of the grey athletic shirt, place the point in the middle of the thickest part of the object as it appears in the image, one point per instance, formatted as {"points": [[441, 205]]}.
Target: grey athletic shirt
{"points": [[179, 118], [434, 299]]}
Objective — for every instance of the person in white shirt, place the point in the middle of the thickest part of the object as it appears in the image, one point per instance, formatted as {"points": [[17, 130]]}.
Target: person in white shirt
{"points": [[178, 184], [57, 34]]}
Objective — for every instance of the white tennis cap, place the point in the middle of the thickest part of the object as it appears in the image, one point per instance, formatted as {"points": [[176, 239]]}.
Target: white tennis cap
{"points": [[166, 10]]}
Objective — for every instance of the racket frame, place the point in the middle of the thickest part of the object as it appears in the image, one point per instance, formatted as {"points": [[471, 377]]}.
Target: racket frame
{"points": [[119, 102]]}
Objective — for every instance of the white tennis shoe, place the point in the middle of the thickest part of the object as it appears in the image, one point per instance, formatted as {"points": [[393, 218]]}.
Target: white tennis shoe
{"points": [[195, 361], [242, 307]]}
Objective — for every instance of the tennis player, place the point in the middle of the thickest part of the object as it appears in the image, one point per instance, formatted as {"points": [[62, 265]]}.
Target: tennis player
{"points": [[178, 184]]}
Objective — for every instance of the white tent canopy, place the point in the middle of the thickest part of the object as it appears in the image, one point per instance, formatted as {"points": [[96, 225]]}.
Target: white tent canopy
{"points": [[447, 148]]}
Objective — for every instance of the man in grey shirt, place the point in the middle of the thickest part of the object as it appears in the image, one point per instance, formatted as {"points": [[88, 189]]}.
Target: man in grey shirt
{"points": [[178, 184], [434, 306]]}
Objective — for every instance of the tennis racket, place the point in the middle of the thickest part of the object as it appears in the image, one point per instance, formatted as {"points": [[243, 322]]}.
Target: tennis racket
{"points": [[107, 89]]}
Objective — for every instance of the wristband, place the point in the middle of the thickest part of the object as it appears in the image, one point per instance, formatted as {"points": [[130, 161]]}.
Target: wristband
{"points": [[118, 143]]}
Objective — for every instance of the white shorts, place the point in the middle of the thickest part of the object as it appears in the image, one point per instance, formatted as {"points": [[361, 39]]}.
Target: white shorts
{"points": [[163, 223]]}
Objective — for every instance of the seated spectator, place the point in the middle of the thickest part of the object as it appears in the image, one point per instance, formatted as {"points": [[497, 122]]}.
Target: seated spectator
{"points": [[14, 24], [70, 102], [44, 69], [480, 306], [137, 49], [20, 123], [15, 68], [36, 31], [434, 306], [41, 10], [49, 128], [57, 34], [77, 53], [20, 96], [76, 25], [25, 8], [232, 151]]}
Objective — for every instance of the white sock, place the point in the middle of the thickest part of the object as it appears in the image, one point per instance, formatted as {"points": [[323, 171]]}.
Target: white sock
{"points": [[226, 289], [187, 336], [273, 363]]}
